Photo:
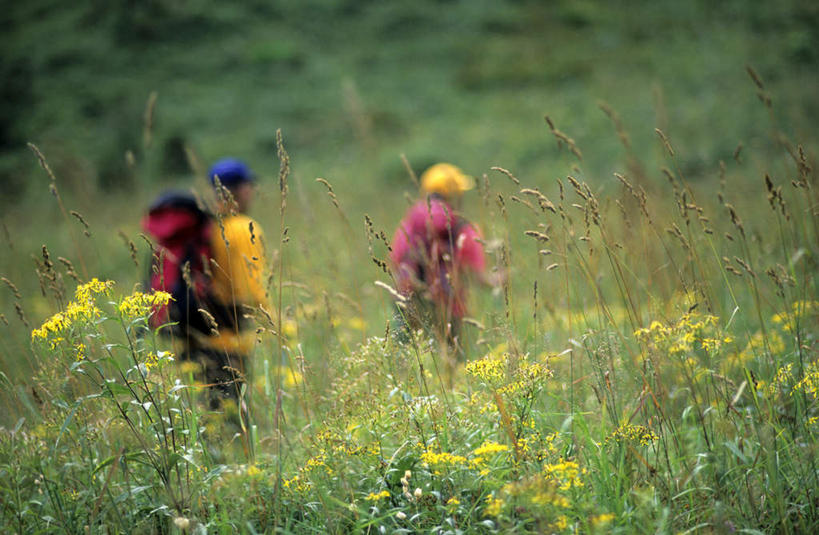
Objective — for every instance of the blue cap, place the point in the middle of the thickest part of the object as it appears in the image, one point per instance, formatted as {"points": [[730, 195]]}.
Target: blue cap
{"points": [[230, 172]]}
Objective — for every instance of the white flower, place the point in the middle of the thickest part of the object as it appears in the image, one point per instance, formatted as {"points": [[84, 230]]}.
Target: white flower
{"points": [[418, 493], [401, 515]]}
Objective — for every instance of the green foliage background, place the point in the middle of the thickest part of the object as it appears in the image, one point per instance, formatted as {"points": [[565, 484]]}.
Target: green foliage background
{"points": [[353, 83]]}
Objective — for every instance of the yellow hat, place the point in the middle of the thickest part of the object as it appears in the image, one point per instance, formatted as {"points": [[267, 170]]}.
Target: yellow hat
{"points": [[446, 179]]}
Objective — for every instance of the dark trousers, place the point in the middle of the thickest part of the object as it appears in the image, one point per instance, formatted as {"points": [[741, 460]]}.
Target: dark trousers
{"points": [[221, 371], [423, 314]]}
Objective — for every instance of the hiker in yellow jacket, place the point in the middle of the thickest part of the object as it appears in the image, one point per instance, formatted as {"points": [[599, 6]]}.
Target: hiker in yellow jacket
{"points": [[238, 270]]}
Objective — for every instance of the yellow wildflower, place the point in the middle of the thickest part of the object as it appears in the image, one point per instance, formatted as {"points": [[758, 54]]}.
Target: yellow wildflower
{"points": [[151, 360], [290, 328], [53, 325], [84, 292], [494, 506], [489, 448], [601, 520], [783, 376], [141, 304], [809, 384], [566, 473], [632, 433], [253, 470], [561, 523], [432, 459], [296, 484], [375, 497], [487, 369]]}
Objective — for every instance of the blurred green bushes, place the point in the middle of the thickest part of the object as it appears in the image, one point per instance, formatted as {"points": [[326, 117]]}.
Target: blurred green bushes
{"points": [[352, 84]]}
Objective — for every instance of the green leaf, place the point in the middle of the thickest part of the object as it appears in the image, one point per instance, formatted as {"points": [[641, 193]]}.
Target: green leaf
{"points": [[18, 425], [733, 448], [117, 389], [65, 425], [131, 492]]}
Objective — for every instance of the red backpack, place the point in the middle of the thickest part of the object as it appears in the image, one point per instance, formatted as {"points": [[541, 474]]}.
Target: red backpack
{"points": [[182, 232]]}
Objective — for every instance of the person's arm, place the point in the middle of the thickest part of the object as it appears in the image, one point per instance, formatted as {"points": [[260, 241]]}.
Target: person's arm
{"points": [[470, 253]]}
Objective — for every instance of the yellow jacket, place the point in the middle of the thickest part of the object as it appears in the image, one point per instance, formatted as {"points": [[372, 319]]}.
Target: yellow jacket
{"points": [[237, 248]]}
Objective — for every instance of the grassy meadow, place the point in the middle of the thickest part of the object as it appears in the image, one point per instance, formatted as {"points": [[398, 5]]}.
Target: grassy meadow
{"points": [[646, 177]]}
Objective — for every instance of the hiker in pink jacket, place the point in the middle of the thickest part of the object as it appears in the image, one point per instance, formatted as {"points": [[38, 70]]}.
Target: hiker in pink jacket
{"points": [[434, 251]]}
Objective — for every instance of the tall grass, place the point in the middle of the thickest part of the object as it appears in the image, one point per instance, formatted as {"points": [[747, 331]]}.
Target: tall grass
{"points": [[649, 365]]}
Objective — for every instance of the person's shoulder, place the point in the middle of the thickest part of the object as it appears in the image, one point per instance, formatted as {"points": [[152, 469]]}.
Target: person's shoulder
{"points": [[240, 223], [416, 213], [418, 207], [431, 206]]}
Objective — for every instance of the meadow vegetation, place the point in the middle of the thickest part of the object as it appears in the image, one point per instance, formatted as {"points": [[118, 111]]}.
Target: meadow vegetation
{"points": [[649, 366]]}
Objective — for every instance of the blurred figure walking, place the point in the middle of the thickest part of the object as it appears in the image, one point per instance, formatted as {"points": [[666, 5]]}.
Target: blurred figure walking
{"points": [[434, 251], [238, 269], [213, 265]]}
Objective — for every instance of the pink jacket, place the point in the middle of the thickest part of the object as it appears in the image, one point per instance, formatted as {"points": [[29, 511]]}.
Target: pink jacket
{"points": [[431, 250]]}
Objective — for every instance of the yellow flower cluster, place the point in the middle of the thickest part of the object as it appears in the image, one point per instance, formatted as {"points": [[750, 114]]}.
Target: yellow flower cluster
{"points": [[549, 446], [601, 520], [299, 482], [85, 292], [508, 376], [352, 450], [151, 360], [82, 308], [296, 483], [140, 304], [316, 462], [52, 326], [485, 452], [488, 369], [689, 333], [565, 473], [494, 506], [253, 470], [809, 384], [433, 460], [799, 309], [550, 497], [489, 448], [541, 490], [632, 433], [332, 441], [655, 331], [377, 496], [527, 377], [782, 377], [561, 523], [550, 442]]}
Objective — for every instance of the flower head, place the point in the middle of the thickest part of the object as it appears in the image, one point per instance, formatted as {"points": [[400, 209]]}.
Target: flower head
{"points": [[141, 304]]}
